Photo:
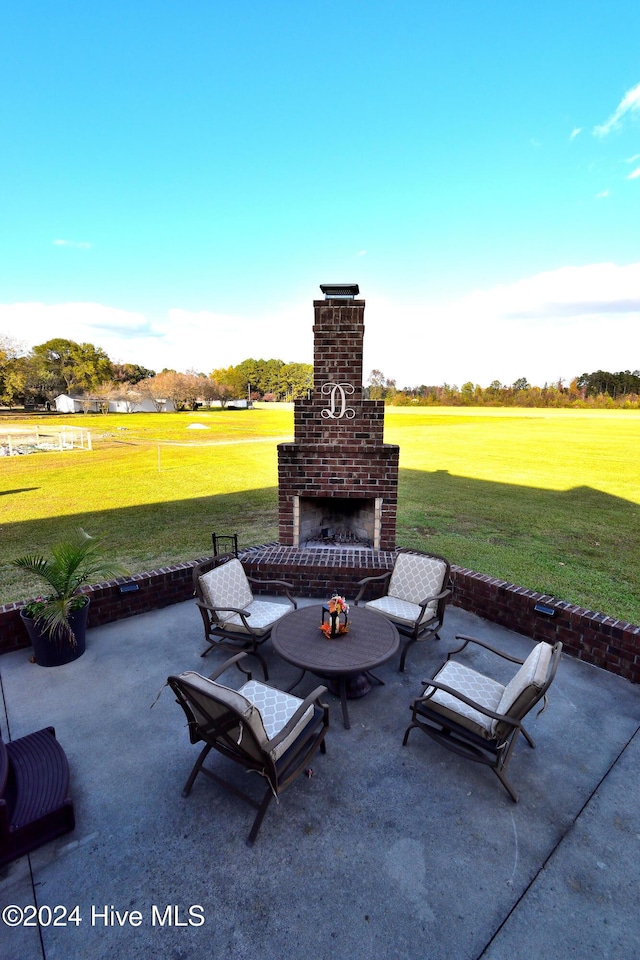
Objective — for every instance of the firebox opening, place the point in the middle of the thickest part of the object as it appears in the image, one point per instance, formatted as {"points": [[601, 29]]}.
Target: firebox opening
{"points": [[329, 521]]}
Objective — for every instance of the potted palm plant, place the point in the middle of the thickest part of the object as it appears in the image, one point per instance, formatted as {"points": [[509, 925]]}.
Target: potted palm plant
{"points": [[56, 623]]}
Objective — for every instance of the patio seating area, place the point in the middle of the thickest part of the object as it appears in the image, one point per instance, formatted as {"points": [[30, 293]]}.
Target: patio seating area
{"points": [[381, 850]]}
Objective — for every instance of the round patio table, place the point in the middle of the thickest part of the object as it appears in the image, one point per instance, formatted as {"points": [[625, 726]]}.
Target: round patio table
{"points": [[348, 660]]}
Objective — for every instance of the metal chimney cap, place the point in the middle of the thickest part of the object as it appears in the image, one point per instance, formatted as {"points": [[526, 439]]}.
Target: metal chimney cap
{"points": [[340, 291]]}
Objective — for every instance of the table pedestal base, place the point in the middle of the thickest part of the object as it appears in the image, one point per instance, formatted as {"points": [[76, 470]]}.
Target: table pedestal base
{"points": [[355, 687]]}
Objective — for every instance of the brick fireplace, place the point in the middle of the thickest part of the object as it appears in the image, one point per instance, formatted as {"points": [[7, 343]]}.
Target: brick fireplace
{"points": [[338, 481]]}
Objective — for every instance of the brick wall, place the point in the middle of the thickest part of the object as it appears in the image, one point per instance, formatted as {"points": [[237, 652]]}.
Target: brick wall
{"points": [[112, 600], [604, 641], [593, 637]]}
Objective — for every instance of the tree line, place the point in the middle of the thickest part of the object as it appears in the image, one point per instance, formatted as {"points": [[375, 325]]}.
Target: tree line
{"points": [[599, 389], [59, 366], [36, 377]]}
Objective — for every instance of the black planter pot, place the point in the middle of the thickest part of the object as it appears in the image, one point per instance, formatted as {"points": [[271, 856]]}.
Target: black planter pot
{"points": [[54, 653]]}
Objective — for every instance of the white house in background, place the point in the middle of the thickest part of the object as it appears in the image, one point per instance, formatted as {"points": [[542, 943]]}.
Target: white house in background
{"points": [[65, 403], [229, 404]]}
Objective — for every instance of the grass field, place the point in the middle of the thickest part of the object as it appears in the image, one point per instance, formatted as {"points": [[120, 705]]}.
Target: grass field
{"points": [[547, 499]]}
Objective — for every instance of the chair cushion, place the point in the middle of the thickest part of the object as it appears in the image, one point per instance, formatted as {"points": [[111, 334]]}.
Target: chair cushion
{"points": [[262, 616], [209, 699], [417, 577], [400, 610], [523, 690], [264, 709], [204, 690], [483, 690], [276, 709], [226, 586]]}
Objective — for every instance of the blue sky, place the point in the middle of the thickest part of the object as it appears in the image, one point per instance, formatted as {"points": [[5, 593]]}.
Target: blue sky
{"points": [[177, 179]]}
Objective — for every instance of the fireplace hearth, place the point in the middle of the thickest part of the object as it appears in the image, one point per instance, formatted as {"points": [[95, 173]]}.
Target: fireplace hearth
{"points": [[338, 481]]}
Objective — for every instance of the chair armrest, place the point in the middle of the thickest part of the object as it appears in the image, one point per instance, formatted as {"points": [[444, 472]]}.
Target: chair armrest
{"points": [[279, 583], [311, 700], [363, 584], [225, 666], [207, 606], [438, 596], [487, 646], [259, 580], [464, 699], [243, 614]]}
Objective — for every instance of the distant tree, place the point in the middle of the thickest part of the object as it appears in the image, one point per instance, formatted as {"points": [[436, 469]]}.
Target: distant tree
{"points": [[263, 378], [614, 384], [128, 396], [183, 389], [167, 385], [296, 380], [10, 350], [575, 391], [467, 393], [108, 390], [220, 392], [494, 391], [195, 386], [231, 380], [131, 373], [63, 366], [155, 389], [379, 386], [13, 372], [263, 375]]}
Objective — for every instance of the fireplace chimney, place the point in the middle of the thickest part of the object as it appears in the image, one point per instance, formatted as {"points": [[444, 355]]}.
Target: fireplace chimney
{"points": [[338, 481]]}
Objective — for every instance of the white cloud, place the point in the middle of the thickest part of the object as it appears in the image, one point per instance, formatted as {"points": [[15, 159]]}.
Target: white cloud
{"points": [[104, 326], [545, 327], [553, 325], [630, 104], [634, 174], [180, 339], [602, 195], [575, 132], [79, 244]]}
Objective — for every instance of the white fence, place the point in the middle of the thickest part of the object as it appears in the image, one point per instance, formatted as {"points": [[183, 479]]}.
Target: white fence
{"points": [[19, 442]]}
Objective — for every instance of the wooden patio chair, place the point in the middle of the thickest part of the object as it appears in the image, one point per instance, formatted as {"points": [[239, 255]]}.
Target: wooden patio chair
{"points": [[478, 717], [259, 727], [232, 618], [418, 589]]}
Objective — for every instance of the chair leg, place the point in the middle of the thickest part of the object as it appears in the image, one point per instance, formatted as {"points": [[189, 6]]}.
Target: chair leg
{"points": [[500, 766], [261, 660], [204, 753], [262, 809], [403, 655], [505, 783], [408, 731], [527, 737]]}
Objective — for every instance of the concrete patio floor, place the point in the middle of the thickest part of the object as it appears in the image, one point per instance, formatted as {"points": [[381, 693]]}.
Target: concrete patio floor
{"points": [[385, 852]]}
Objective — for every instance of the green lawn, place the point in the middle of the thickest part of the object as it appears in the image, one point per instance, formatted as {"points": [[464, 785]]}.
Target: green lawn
{"points": [[548, 499]]}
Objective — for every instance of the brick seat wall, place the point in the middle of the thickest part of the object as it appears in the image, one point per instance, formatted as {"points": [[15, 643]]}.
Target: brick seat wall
{"points": [[593, 637]]}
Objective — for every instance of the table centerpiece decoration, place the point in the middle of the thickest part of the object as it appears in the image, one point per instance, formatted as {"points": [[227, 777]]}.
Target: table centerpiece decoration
{"points": [[331, 625]]}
